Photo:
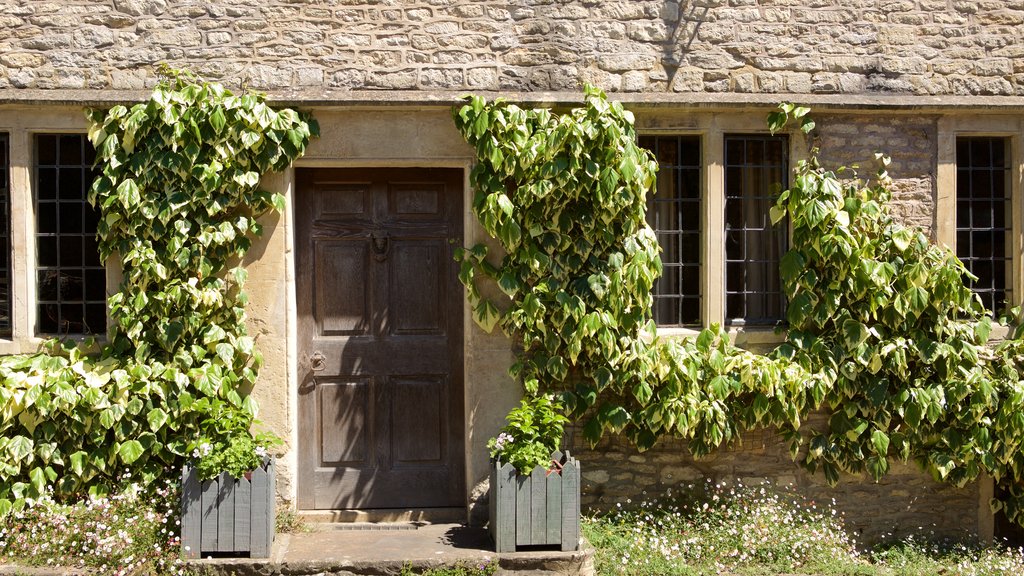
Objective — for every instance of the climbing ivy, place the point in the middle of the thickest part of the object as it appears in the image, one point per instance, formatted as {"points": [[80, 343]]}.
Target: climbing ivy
{"points": [[885, 316], [565, 195], [178, 195], [884, 337]]}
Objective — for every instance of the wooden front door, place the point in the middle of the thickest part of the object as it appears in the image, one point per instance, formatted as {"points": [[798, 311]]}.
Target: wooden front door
{"points": [[380, 338]]}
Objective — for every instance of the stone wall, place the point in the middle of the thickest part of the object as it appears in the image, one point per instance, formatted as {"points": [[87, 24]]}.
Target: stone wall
{"points": [[909, 140], [904, 502], [919, 47]]}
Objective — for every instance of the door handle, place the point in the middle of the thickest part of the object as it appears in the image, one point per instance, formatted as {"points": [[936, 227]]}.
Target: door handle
{"points": [[317, 361]]}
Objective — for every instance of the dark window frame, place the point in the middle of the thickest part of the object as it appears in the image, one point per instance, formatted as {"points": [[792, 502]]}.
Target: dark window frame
{"points": [[753, 289], [6, 256], [675, 211], [70, 278], [984, 216]]}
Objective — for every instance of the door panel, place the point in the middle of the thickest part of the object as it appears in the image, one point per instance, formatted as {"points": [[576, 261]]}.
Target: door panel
{"points": [[417, 288], [342, 308], [380, 338]]}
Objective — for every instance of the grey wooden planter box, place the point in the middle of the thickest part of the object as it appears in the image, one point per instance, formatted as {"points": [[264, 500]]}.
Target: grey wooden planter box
{"points": [[228, 515], [542, 509]]}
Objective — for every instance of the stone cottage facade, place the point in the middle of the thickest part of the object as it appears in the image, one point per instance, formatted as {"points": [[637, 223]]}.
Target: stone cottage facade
{"points": [[377, 394]]}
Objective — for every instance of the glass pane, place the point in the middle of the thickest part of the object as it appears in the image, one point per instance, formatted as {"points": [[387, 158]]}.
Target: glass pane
{"points": [[70, 150], [46, 183], [70, 215], [46, 149], [70, 183], [46, 250], [95, 285]]}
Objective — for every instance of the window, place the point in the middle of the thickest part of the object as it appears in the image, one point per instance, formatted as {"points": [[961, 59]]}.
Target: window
{"points": [[756, 169], [5, 236], [674, 211], [70, 279], [983, 216]]}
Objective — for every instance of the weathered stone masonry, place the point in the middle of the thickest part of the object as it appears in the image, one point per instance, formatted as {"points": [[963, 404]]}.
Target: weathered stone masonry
{"points": [[951, 47]]}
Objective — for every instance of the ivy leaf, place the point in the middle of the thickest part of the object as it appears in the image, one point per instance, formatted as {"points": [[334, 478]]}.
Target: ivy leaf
{"points": [[854, 334], [486, 315], [20, 448], [880, 440], [78, 462], [217, 120], [130, 451], [156, 417], [128, 194]]}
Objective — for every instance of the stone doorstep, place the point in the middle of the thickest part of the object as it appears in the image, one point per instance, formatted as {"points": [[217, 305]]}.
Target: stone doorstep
{"points": [[366, 550]]}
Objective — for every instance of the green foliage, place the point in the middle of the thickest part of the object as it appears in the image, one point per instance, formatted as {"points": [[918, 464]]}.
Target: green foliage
{"points": [[884, 336], [227, 443], [532, 433], [179, 197], [565, 196]]}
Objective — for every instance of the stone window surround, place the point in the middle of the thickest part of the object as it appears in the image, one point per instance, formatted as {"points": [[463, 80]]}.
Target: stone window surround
{"points": [[949, 129], [22, 124], [712, 127]]}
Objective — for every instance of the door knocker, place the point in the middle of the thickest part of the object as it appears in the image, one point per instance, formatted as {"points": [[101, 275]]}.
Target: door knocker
{"points": [[381, 244]]}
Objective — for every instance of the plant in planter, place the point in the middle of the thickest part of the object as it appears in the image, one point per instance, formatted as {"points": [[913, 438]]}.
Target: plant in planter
{"points": [[227, 501], [535, 489]]}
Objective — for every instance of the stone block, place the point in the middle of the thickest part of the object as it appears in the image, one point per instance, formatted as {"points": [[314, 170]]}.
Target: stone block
{"points": [[264, 77], [394, 80], [218, 38], [626, 62], [22, 60], [442, 78], [141, 7], [351, 40], [482, 78], [453, 57], [309, 77], [993, 67], [128, 79]]}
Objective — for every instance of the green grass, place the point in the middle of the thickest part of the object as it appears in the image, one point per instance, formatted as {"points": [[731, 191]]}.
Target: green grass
{"points": [[753, 531]]}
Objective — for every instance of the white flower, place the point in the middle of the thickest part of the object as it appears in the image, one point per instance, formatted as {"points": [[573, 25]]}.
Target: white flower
{"points": [[503, 440]]}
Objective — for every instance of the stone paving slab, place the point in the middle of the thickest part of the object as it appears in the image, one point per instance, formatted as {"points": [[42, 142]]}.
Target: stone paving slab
{"points": [[383, 550]]}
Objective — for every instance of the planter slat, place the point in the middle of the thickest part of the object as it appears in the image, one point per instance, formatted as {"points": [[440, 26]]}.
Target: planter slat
{"points": [[503, 522], [539, 509], [538, 506], [523, 508], [191, 512], [570, 504], [209, 538], [553, 510], [258, 521], [243, 505], [227, 514]]}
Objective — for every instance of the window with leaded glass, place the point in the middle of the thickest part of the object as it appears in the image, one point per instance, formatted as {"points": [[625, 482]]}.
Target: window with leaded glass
{"points": [[70, 279], [674, 211], [983, 222], [756, 168], [5, 236]]}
